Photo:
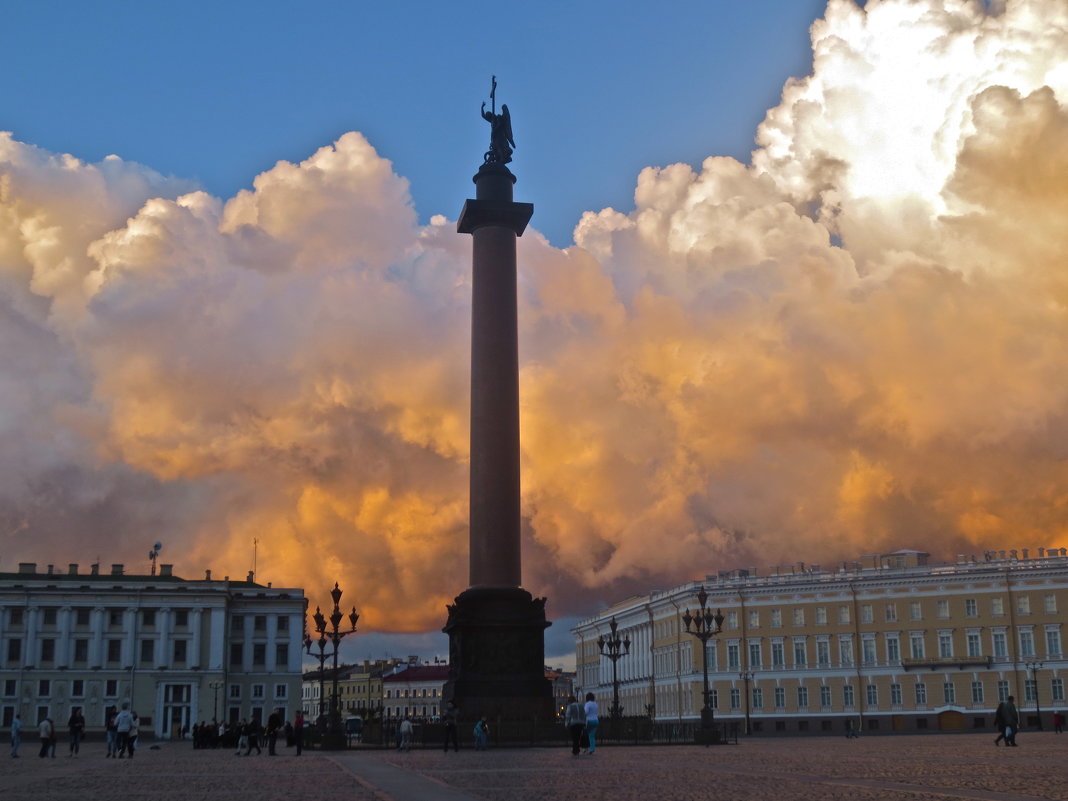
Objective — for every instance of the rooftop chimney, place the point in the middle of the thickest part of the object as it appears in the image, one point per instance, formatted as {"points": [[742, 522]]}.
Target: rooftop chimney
{"points": [[27, 568], [116, 570], [94, 570], [72, 569], [166, 570], [207, 575]]}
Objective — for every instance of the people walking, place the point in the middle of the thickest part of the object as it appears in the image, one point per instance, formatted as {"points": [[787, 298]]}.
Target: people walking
{"points": [[76, 726], [1058, 721], [851, 730], [1007, 721], [452, 729], [123, 722], [274, 723], [298, 731], [16, 735], [134, 733], [574, 721], [111, 735], [47, 731], [592, 713], [253, 731], [406, 730], [481, 734]]}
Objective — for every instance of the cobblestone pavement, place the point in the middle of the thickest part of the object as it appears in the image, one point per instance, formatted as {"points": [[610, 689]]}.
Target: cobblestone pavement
{"points": [[890, 768]]}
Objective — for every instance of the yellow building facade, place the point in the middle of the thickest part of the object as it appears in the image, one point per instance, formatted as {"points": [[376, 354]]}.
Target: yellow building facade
{"points": [[889, 643]]}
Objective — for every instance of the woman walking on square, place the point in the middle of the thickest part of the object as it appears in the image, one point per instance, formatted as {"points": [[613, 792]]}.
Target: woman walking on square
{"points": [[592, 721], [574, 721]]}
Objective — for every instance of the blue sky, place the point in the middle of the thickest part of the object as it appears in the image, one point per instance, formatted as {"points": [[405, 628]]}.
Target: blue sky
{"points": [[218, 92]]}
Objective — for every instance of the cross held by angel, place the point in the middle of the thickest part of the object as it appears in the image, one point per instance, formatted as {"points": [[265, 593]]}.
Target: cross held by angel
{"points": [[501, 141]]}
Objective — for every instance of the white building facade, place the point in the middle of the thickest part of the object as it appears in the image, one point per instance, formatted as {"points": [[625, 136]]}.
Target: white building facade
{"points": [[178, 651], [889, 643]]}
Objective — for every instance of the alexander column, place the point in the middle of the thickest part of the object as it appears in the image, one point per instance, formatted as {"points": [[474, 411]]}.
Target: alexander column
{"points": [[496, 628]]}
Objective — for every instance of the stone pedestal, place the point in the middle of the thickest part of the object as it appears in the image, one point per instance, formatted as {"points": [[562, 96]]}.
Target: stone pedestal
{"points": [[497, 655]]}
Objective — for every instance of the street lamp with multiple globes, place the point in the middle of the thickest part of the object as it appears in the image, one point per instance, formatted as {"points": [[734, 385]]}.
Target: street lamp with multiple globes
{"points": [[334, 635], [615, 649], [704, 625], [216, 686], [747, 676], [1034, 666]]}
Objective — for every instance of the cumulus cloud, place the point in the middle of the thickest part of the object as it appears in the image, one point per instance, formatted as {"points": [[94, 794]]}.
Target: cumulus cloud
{"points": [[852, 343]]}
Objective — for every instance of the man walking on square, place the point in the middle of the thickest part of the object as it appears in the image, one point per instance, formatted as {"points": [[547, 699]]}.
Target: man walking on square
{"points": [[1007, 721]]}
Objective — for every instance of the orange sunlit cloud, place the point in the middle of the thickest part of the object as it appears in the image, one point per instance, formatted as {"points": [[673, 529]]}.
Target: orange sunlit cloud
{"points": [[855, 343]]}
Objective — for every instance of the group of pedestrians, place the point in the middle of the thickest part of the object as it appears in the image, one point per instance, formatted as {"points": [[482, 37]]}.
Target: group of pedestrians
{"points": [[581, 721], [121, 732]]}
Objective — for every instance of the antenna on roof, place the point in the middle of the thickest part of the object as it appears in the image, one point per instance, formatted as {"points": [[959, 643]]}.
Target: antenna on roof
{"points": [[255, 546], [156, 548]]}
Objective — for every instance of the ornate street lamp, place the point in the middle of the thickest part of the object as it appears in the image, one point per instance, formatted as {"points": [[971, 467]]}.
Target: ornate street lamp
{"points": [[1034, 666], [216, 686], [335, 737], [747, 676], [615, 649], [704, 626]]}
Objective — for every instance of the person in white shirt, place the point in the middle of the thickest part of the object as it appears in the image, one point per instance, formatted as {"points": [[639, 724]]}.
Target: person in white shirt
{"points": [[123, 724], [592, 721]]}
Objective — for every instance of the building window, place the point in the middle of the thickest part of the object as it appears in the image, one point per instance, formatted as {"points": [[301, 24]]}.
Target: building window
{"points": [[259, 623], [800, 653], [81, 617], [1056, 689], [282, 623], [48, 616], [866, 614], [237, 623], [148, 617], [915, 610], [845, 650], [758, 698], [1030, 690], [732, 656], [778, 654], [873, 695], [114, 650], [776, 618], [825, 696], [823, 653], [235, 691], [945, 645], [1053, 642], [259, 653], [14, 651], [114, 617], [921, 694], [847, 695], [802, 697], [181, 618], [754, 654], [281, 654], [111, 688], [943, 608], [1051, 603], [10, 688], [893, 649], [81, 651], [869, 651], [997, 607], [780, 697], [148, 651], [971, 607], [732, 619], [821, 615], [977, 692], [975, 647], [754, 619], [180, 647], [281, 691], [1000, 644], [1027, 643], [736, 698], [15, 616], [236, 654], [799, 616], [891, 613], [1023, 604], [44, 688], [916, 645], [48, 650], [257, 691], [895, 694], [1003, 691], [843, 614]]}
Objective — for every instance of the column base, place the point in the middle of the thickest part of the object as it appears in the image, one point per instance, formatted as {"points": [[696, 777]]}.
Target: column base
{"points": [[497, 655]]}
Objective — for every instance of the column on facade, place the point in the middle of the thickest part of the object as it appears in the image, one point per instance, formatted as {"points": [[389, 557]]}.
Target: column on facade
{"points": [[129, 646], [63, 654], [29, 655], [194, 645], [272, 630], [296, 629], [96, 643], [217, 640], [164, 652], [246, 655]]}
